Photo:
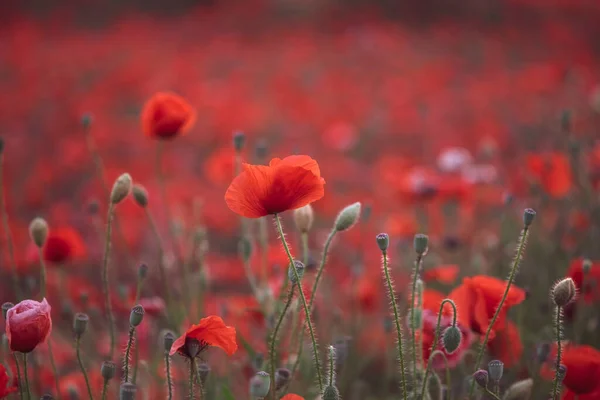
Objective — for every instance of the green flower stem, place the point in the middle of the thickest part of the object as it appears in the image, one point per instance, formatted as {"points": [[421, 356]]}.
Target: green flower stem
{"points": [[448, 377], [7, 233], [26, 376], [304, 303], [436, 338], [511, 277], [331, 366], [492, 394], [105, 284], [321, 267], [82, 367], [136, 357], [304, 240], [274, 338], [168, 374], [128, 353], [54, 371], [413, 320], [104, 389], [161, 265], [392, 295], [191, 381], [556, 384], [18, 376], [42, 274]]}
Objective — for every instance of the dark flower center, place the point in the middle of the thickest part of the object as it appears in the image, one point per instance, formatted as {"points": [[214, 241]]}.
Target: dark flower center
{"points": [[193, 347]]}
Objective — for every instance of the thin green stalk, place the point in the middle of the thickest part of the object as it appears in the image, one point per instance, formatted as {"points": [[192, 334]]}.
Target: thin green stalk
{"points": [[448, 377], [54, 371], [127, 354], [104, 389], [304, 303], [492, 394], [191, 381], [105, 283], [274, 338], [82, 367], [161, 265], [199, 381], [331, 366], [511, 277], [436, 339], [18, 375], [7, 233], [413, 327], [136, 357], [392, 295], [321, 267], [263, 239], [26, 376], [557, 381], [304, 239], [168, 373], [42, 273]]}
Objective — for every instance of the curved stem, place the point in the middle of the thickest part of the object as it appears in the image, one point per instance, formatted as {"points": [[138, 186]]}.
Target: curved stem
{"points": [[127, 354], [105, 283], [274, 339], [18, 375], [53, 365], [492, 394], [168, 374], [413, 324], [321, 267], [447, 367], [392, 295], [304, 303], [436, 338], [82, 367], [556, 385], [7, 233], [26, 376], [511, 277]]}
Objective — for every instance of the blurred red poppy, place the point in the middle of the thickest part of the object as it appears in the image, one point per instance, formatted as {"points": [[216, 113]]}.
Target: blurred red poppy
{"points": [[583, 369], [283, 185], [292, 396], [506, 345], [63, 245], [444, 274], [211, 331], [552, 171], [6, 387], [167, 115]]}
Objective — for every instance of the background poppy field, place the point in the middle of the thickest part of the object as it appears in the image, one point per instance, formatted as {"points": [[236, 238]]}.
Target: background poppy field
{"points": [[439, 118]]}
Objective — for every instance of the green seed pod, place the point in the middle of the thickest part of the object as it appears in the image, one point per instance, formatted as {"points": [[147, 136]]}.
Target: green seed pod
{"points": [[383, 241], [421, 242], [136, 316], [108, 370], [528, 216], [260, 384], [495, 370], [80, 323], [168, 339], [127, 391], [299, 266]]}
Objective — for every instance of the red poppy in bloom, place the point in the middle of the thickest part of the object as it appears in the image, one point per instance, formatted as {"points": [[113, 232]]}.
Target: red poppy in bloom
{"points": [[63, 245], [211, 331], [5, 388], [444, 273], [292, 396], [583, 370], [283, 185], [167, 115], [28, 324], [507, 345]]}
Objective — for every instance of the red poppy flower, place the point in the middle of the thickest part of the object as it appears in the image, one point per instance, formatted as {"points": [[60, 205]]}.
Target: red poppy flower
{"points": [[28, 324], [552, 171], [167, 115], [5, 388], [429, 325], [507, 345], [586, 285], [583, 369], [283, 185], [211, 331], [444, 273], [63, 245], [292, 396]]}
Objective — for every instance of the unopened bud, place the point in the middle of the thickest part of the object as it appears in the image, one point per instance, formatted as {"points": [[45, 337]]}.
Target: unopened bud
{"points": [[330, 393], [564, 292], [47, 396], [282, 377], [245, 249], [140, 195], [168, 339], [203, 371], [108, 370], [5, 307], [416, 316], [495, 370], [127, 391], [347, 217], [121, 189], [528, 216], [481, 378], [143, 271], [239, 139], [383, 241], [520, 390], [451, 339], [260, 384], [421, 242], [299, 267], [80, 323], [38, 231], [303, 217], [586, 266], [136, 316]]}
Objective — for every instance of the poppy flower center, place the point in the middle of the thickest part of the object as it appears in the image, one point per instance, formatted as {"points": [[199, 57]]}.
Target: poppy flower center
{"points": [[193, 347]]}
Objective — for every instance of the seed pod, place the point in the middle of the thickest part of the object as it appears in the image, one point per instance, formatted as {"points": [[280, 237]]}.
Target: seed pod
{"points": [[451, 339], [481, 378], [38, 231], [136, 316], [121, 188], [299, 267], [127, 391], [260, 384], [108, 370], [80, 323], [495, 370], [168, 339], [528, 216], [421, 242], [383, 241], [203, 371]]}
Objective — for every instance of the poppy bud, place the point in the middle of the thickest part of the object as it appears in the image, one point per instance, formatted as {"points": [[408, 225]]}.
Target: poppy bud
{"points": [[260, 384], [330, 393], [383, 241], [303, 217], [564, 292], [38, 231], [203, 371], [245, 249], [282, 377], [347, 217], [299, 267], [86, 120], [239, 139], [108, 370], [421, 242], [586, 266], [47, 396], [5, 307], [143, 271], [127, 391], [520, 390], [28, 324], [140, 195], [80, 323], [418, 318], [495, 370], [451, 339], [481, 378], [168, 339], [136, 316], [528, 216], [121, 189]]}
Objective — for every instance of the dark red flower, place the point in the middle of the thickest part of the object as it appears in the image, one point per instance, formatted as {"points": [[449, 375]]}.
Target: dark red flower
{"points": [[63, 245], [211, 331], [6, 387], [28, 324], [167, 115], [583, 369], [283, 185]]}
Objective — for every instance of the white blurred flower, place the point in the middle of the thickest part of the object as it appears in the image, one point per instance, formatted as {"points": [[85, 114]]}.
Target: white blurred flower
{"points": [[454, 159]]}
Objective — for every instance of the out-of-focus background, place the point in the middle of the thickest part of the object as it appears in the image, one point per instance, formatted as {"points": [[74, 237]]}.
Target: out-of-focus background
{"points": [[440, 116]]}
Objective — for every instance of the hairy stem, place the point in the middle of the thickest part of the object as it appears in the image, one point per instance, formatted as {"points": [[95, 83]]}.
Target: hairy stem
{"points": [[321, 267], [128, 354], [168, 374], [274, 339], [82, 367], [105, 282], [104, 389], [413, 321], [557, 380], [191, 380]]}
